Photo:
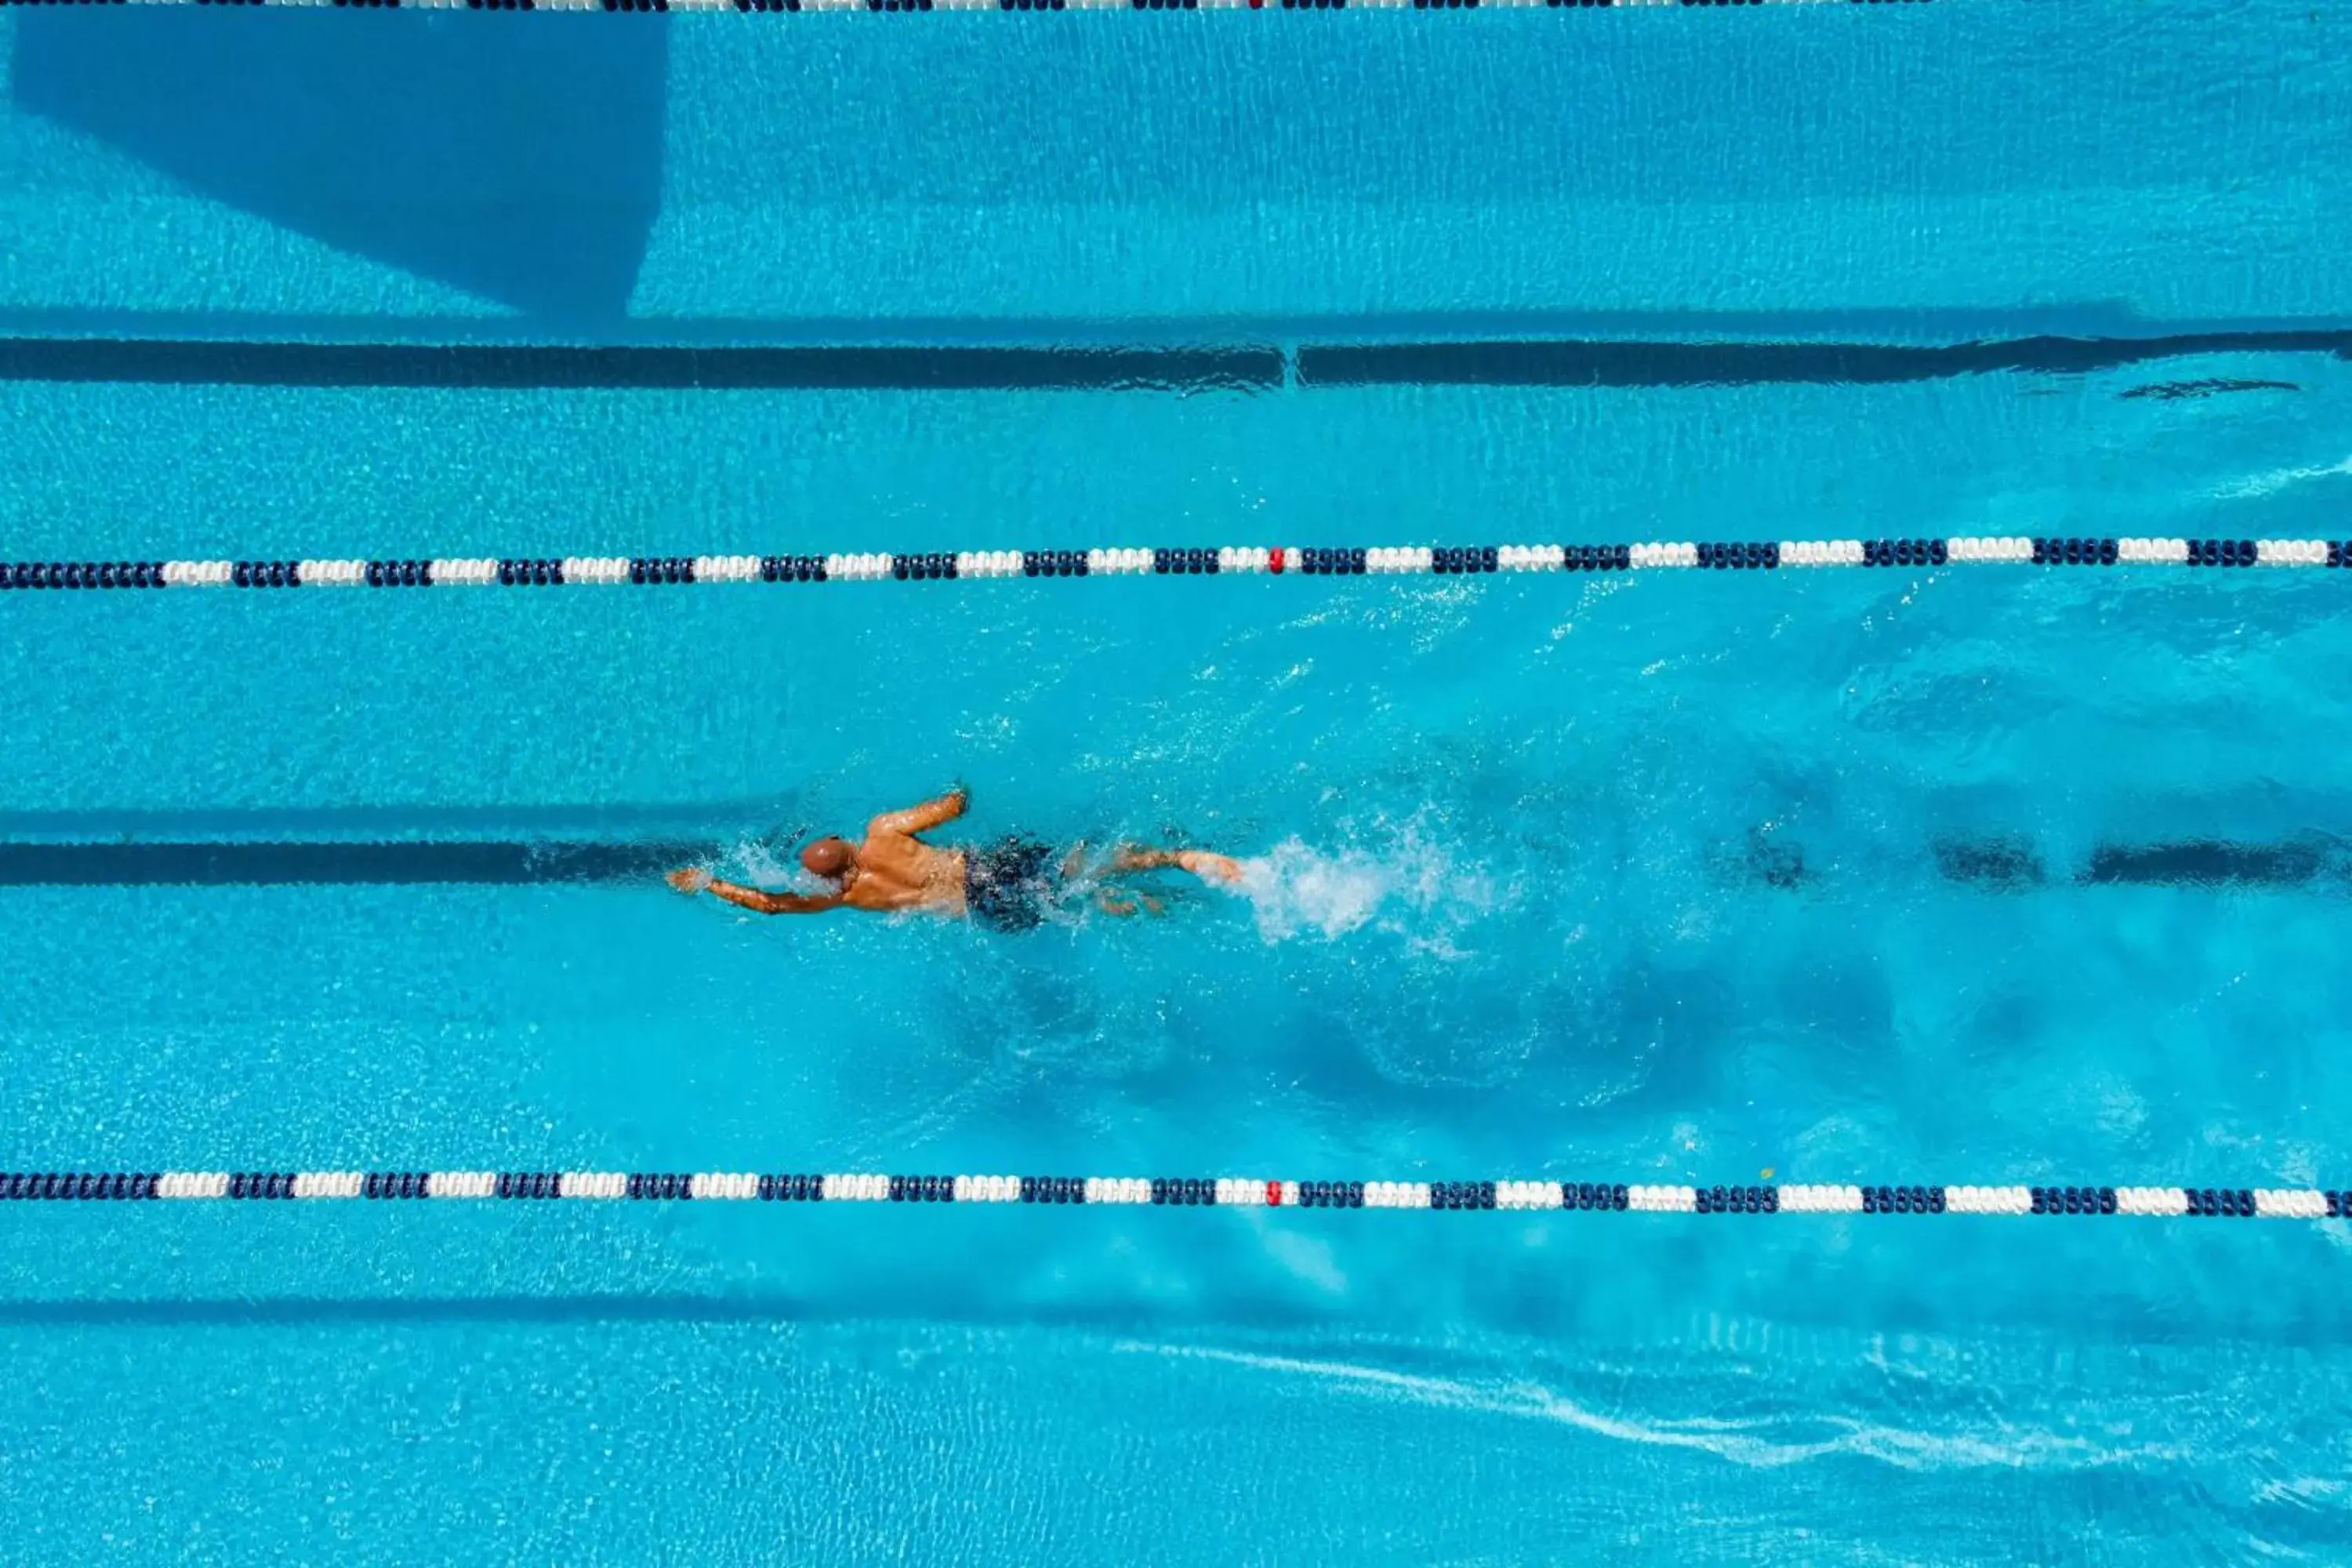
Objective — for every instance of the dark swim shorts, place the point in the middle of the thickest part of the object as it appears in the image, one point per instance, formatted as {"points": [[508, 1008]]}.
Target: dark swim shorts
{"points": [[1009, 885]]}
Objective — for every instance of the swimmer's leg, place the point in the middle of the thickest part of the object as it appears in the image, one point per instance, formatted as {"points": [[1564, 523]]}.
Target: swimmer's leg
{"points": [[1217, 870]]}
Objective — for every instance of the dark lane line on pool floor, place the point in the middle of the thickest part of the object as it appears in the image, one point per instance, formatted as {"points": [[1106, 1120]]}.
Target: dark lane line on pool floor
{"points": [[287, 863], [519, 367], [1525, 361], [1616, 363], [2010, 865], [546, 823], [1993, 864]]}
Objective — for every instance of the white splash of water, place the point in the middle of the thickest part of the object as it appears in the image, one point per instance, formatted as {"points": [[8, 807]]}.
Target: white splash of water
{"points": [[1410, 887], [1296, 890], [764, 864]]}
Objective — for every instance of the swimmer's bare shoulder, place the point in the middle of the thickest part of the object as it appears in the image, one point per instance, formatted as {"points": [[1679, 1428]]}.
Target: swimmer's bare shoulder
{"points": [[901, 871]]}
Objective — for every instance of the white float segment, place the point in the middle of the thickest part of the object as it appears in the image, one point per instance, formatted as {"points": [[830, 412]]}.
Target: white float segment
{"points": [[1516, 1195], [2289, 1203], [1800, 1198], [460, 1183]]}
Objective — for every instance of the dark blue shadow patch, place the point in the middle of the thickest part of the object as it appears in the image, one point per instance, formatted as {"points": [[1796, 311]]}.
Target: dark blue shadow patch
{"points": [[326, 862], [519, 161]]}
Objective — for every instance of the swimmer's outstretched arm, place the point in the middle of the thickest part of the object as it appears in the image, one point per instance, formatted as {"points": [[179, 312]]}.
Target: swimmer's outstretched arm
{"points": [[693, 880], [920, 818]]}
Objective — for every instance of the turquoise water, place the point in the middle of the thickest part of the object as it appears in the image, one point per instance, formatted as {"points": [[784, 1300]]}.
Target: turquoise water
{"points": [[1635, 878]]}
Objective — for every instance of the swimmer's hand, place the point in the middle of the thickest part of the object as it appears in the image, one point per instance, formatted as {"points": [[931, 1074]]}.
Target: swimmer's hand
{"points": [[689, 880]]}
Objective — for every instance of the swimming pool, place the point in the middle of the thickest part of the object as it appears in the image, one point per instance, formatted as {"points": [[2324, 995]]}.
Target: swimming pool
{"points": [[1939, 874]]}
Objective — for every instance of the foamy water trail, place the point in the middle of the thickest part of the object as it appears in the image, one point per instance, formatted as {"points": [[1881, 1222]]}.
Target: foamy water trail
{"points": [[1410, 887], [1296, 891]]}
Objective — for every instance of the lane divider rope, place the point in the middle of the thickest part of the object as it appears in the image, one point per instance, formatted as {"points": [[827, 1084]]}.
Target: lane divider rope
{"points": [[910, 5], [1219, 1191], [1409, 560]]}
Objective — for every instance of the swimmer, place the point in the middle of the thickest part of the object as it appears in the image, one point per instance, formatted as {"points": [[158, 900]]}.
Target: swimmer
{"points": [[1008, 886]]}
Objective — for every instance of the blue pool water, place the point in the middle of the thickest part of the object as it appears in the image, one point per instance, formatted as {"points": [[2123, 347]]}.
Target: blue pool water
{"points": [[1631, 878]]}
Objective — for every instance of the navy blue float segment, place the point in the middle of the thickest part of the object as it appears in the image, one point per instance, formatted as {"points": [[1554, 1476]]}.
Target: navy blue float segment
{"points": [[2075, 552], [923, 568], [2221, 1203], [2091, 1201], [2226, 553], [242, 575], [1739, 1200], [792, 1189], [1900, 553], [1462, 1195], [922, 1189], [1903, 1200], [1331, 563], [81, 574], [538, 571], [1053, 1190], [1052, 563], [792, 569], [659, 569], [1331, 1195], [1606, 557], [1190, 562], [76, 1187]]}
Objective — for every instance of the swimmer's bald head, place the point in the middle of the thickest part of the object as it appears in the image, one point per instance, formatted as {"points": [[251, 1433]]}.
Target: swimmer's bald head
{"points": [[830, 858]]}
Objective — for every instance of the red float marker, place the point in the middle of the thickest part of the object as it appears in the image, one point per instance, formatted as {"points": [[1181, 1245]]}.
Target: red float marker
{"points": [[1273, 562], [1273, 1194]]}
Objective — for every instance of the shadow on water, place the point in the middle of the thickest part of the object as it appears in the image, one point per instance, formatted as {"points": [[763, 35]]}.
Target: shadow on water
{"points": [[1629, 363], [294, 863], [2210, 863], [520, 162], [517, 367]]}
